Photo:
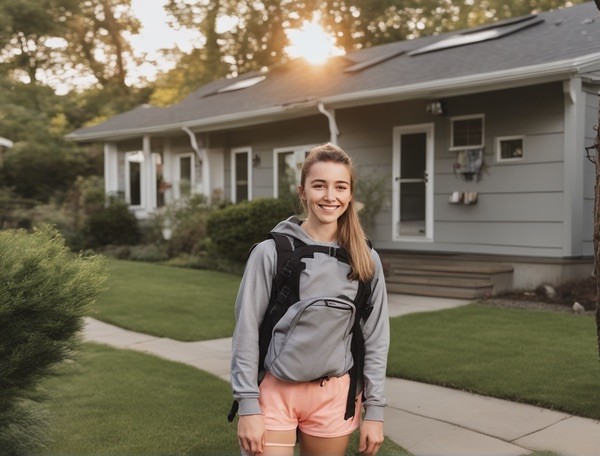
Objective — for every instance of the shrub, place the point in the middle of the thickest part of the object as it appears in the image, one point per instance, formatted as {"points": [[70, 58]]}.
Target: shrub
{"points": [[186, 220], [371, 192], [15, 210], [234, 229], [113, 224], [148, 252], [44, 291]]}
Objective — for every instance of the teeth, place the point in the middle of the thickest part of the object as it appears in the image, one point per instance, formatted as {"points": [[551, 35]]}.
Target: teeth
{"points": [[328, 208]]}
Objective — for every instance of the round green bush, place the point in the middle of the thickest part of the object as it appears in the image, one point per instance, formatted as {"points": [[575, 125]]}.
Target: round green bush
{"points": [[113, 224], [234, 229]]}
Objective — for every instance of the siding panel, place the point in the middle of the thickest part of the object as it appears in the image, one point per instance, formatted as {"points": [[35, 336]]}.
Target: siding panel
{"points": [[526, 207], [539, 235], [538, 178]]}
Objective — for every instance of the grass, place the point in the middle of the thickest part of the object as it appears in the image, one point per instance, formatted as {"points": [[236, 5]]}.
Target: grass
{"points": [[543, 358], [120, 402], [183, 304]]}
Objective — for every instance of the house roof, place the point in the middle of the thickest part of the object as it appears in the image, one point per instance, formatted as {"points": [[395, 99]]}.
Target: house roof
{"points": [[549, 46]]}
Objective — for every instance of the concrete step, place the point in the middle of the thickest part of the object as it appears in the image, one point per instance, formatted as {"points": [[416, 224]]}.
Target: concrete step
{"points": [[412, 272], [455, 267], [439, 291], [440, 281]]}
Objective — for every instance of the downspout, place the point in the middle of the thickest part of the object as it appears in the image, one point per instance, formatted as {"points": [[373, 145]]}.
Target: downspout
{"points": [[333, 129], [203, 160]]}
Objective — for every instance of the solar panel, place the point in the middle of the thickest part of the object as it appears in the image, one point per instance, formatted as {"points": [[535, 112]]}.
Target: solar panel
{"points": [[491, 32]]}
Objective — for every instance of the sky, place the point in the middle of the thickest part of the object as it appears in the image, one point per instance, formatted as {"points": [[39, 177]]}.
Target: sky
{"points": [[155, 34]]}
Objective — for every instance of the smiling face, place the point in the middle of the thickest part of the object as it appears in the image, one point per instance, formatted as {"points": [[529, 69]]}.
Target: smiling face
{"points": [[326, 192]]}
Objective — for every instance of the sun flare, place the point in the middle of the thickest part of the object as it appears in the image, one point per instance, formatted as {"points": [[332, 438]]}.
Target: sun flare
{"points": [[311, 42]]}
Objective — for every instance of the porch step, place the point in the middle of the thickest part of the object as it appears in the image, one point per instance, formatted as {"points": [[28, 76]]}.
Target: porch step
{"points": [[440, 292], [445, 276]]}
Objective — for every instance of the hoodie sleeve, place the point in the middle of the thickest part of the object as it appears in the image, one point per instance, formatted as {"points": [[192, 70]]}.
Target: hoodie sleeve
{"points": [[376, 331], [250, 307]]}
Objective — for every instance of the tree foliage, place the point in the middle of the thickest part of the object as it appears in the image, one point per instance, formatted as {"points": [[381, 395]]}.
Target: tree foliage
{"points": [[98, 29], [25, 28], [41, 162], [43, 296], [258, 39]]}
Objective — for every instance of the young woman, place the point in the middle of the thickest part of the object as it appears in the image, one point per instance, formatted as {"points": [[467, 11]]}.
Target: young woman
{"points": [[275, 413]]}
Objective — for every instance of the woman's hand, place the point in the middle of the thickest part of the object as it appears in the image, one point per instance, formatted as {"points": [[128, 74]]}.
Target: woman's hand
{"points": [[371, 437], [251, 433]]}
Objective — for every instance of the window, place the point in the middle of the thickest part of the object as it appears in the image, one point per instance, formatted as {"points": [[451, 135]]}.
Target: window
{"points": [[160, 187], [288, 163], [185, 174], [509, 148], [466, 132], [133, 177], [241, 174]]}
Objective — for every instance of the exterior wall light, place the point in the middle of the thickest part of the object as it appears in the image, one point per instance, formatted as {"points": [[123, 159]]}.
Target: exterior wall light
{"points": [[437, 108]]}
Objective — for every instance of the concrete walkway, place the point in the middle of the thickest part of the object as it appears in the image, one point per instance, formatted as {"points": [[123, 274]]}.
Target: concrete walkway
{"points": [[427, 420]]}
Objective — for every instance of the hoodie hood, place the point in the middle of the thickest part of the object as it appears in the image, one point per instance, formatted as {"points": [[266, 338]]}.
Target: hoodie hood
{"points": [[291, 227]]}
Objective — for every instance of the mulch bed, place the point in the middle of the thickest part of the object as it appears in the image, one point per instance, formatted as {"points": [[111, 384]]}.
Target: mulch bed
{"points": [[581, 291]]}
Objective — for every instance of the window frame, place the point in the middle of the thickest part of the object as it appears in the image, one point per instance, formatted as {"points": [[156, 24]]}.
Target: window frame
{"points": [[179, 156], [467, 117], [128, 156], [234, 152], [299, 156], [499, 139]]}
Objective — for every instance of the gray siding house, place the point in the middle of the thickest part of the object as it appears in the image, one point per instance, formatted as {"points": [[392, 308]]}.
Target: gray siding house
{"points": [[480, 134]]}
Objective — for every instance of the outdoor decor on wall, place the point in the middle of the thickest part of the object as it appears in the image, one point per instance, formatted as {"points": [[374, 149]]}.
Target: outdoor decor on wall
{"points": [[465, 198], [469, 164]]}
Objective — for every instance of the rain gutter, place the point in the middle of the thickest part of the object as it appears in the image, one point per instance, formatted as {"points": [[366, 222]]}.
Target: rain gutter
{"points": [[203, 157], [333, 128]]}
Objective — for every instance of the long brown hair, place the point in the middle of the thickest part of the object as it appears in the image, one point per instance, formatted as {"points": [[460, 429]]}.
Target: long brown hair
{"points": [[351, 235]]}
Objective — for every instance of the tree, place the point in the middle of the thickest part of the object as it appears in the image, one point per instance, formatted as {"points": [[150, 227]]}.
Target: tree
{"points": [[41, 163], [44, 293], [98, 28], [26, 28], [597, 222]]}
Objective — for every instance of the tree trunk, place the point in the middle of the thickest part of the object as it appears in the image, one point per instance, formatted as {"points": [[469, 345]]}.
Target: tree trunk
{"points": [[597, 223], [597, 229]]}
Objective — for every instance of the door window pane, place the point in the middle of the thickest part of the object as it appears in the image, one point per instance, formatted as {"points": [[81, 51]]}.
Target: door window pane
{"points": [[134, 167], [413, 155], [160, 182], [412, 209], [286, 173], [185, 175], [241, 176], [135, 183]]}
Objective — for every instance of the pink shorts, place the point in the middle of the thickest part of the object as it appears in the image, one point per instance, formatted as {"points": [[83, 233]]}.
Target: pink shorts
{"points": [[316, 410]]}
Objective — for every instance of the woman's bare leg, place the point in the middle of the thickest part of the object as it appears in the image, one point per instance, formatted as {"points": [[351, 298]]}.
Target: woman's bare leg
{"points": [[320, 446], [280, 443]]}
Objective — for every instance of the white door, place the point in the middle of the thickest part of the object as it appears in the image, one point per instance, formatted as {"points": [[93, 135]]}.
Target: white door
{"points": [[413, 183]]}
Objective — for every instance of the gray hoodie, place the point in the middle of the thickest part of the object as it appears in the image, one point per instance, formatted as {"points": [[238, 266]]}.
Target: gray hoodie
{"points": [[321, 273]]}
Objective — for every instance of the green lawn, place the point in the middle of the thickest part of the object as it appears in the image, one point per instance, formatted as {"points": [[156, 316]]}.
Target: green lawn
{"points": [[120, 402], [539, 357], [183, 304]]}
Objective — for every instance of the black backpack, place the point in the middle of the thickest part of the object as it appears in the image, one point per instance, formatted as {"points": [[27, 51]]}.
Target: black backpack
{"points": [[285, 292]]}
